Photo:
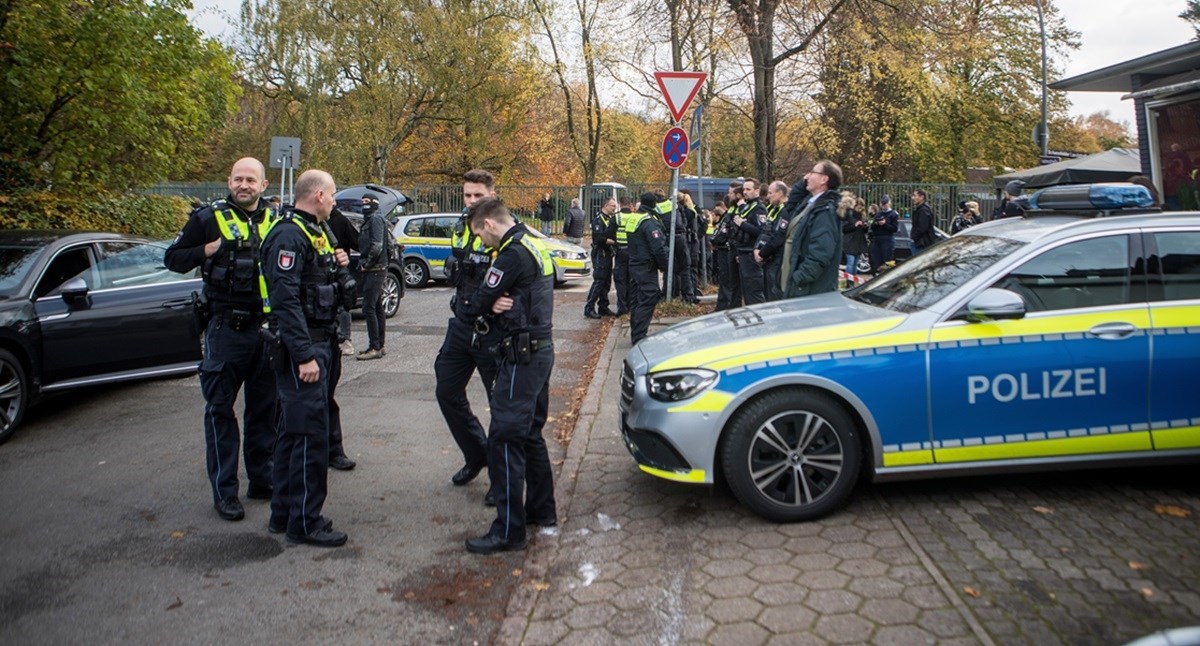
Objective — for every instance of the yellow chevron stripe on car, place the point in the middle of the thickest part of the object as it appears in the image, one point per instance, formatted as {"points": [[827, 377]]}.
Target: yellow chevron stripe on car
{"points": [[907, 458], [1177, 438], [793, 344], [1166, 316], [432, 242], [1116, 443], [910, 339], [694, 476], [569, 264], [712, 401], [1064, 324]]}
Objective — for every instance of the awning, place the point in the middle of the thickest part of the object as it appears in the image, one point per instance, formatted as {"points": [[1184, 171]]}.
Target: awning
{"points": [[1168, 85]]}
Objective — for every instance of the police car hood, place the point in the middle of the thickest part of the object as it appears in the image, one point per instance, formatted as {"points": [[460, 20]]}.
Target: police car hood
{"points": [[763, 332]]}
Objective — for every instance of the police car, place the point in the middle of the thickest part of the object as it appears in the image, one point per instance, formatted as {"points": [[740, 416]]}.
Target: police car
{"points": [[1050, 341], [426, 240]]}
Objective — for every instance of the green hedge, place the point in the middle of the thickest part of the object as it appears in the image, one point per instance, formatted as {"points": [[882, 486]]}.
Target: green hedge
{"points": [[148, 215]]}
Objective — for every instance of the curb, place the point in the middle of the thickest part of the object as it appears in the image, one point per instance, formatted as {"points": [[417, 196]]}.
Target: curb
{"points": [[543, 552]]}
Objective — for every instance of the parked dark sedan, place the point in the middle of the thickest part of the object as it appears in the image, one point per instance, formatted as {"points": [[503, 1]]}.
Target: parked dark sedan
{"points": [[80, 309]]}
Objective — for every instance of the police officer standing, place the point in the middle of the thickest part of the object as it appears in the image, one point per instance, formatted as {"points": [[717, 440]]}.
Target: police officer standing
{"points": [[647, 256], [300, 266], [519, 290], [464, 349], [771, 240], [616, 233], [602, 262], [223, 239], [749, 222]]}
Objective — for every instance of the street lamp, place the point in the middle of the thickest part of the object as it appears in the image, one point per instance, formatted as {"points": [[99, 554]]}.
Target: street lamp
{"points": [[1043, 133]]}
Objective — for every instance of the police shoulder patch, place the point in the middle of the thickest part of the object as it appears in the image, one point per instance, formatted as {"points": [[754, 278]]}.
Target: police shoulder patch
{"points": [[286, 260], [493, 277], [656, 234]]}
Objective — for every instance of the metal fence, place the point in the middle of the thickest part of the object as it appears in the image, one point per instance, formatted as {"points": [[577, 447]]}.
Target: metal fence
{"points": [[523, 200]]}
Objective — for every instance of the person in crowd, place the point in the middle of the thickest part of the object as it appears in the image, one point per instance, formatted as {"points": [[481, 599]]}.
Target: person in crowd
{"points": [[647, 256], [375, 246], [602, 262], [883, 230], [575, 223], [922, 223], [814, 240], [1148, 184], [748, 223], [546, 213], [616, 233], [852, 217], [966, 216], [768, 250], [1010, 206]]}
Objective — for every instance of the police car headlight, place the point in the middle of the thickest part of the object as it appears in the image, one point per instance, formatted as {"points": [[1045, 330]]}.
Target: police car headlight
{"points": [[676, 385]]}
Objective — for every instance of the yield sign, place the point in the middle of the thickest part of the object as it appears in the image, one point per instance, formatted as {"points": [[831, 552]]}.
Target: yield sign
{"points": [[679, 88]]}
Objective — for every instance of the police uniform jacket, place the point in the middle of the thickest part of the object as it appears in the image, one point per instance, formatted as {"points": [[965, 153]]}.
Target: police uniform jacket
{"points": [[231, 275], [600, 237], [300, 270], [813, 249], [647, 242], [774, 232], [614, 230], [524, 271], [467, 265], [748, 231]]}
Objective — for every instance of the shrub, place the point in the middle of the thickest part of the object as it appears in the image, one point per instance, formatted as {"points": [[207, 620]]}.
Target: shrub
{"points": [[148, 215]]}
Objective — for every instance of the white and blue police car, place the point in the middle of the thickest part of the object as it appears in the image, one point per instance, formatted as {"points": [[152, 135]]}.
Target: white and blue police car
{"points": [[1068, 337]]}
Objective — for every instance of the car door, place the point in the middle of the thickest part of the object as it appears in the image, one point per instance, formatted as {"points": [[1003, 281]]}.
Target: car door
{"points": [[438, 232], [1070, 377], [1175, 344], [137, 314]]}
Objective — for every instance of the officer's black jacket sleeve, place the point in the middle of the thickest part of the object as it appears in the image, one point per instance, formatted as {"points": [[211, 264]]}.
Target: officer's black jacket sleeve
{"points": [[752, 222], [187, 252], [344, 230], [655, 241], [283, 286], [510, 265]]}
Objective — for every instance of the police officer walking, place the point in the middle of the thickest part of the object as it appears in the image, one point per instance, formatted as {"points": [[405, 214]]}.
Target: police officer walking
{"points": [[602, 262], [223, 239], [647, 256], [464, 349], [300, 266], [519, 290]]}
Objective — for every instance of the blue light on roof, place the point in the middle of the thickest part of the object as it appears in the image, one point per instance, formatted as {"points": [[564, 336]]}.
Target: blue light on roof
{"points": [[1092, 196]]}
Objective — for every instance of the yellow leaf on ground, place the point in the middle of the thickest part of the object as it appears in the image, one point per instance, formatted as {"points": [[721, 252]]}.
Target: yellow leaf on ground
{"points": [[517, 572], [971, 591], [179, 533], [1138, 565], [1172, 510], [541, 586], [1146, 592], [1043, 510]]}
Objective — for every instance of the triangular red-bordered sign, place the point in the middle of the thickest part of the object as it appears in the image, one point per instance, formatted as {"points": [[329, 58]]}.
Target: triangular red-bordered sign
{"points": [[679, 88]]}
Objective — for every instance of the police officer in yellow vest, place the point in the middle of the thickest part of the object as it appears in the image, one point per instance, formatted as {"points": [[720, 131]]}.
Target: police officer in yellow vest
{"points": [[616, 233], [519, 290], [223, 239], [647, 256], [300, 266]]}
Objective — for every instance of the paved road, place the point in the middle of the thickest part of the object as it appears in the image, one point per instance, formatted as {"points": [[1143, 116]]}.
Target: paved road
{"points": [[107, 532]]}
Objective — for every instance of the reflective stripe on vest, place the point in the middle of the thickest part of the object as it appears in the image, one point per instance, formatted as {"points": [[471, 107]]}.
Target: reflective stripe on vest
{"points": [[459, 239], [773, 212], [633, 222], [240, 231], [622, 239], [539, 250]]}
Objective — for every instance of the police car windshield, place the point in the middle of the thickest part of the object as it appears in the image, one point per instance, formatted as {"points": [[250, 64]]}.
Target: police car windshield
{"points": [[931, 276]]}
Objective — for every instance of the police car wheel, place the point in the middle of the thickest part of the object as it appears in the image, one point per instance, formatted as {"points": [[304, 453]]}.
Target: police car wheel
{"points": [[391, 295], [14, 394], [792, 455], [415, 273]]}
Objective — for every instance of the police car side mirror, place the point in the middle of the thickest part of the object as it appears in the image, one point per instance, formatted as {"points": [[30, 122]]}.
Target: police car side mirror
{"points": [[994, 304]]}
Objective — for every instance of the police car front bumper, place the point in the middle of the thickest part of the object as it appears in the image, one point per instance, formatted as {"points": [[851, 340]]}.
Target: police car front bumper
{"points": [[670, 444]]}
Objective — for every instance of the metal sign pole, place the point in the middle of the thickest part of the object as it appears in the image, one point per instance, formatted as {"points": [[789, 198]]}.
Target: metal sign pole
{"points": [[702, 235], [671, 249], [282, 178]]}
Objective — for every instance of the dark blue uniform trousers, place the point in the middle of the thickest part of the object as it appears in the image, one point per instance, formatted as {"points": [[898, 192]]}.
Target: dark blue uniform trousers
{"points": [[729, 283], [645, 294], [455, 362], [233, 359], [302, 450], [602, 274], [771, 288], [518, 462], [751, 277], [621, 280]]}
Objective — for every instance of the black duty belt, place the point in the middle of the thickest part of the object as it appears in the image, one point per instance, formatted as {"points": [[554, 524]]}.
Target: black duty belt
{"points": [[239, 320], [321, 334], [541, 344]]}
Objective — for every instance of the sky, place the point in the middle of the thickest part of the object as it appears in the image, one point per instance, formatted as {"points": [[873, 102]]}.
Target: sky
{"points": [[1111, 31]]}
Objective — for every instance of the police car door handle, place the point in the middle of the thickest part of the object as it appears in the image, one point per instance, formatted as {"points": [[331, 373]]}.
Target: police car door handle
{"points": [[1112, 331]]}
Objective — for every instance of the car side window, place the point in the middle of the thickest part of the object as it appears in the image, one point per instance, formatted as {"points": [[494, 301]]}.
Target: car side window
{"points": [[416, 228], [127, 264], [75, 262], [1179, 259], [444, 227], [1087, 273]]}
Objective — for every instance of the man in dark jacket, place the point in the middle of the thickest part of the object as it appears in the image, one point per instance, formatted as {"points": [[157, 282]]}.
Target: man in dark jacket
{"points": [[922, 223], [546, 213], [770, 243], [575, 224], [647, 256], [883, 234], [814, 238], [749, 222], [373, 244]]}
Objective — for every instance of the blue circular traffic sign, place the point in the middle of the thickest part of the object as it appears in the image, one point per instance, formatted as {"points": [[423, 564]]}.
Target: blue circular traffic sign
{"points": [[675, 147]]}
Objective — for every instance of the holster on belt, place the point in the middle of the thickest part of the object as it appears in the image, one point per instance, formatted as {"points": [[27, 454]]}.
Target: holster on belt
{"points": [[274, 345]]}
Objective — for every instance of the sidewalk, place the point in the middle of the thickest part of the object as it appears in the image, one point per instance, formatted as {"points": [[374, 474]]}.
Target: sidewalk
{"points": [[1021, 559]]}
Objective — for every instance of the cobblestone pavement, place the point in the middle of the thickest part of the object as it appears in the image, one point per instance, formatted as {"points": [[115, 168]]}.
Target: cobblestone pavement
{"points": [[1078, 558]]}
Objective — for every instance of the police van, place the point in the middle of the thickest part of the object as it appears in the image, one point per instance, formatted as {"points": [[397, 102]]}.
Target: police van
{"points": [[1066, 338]]}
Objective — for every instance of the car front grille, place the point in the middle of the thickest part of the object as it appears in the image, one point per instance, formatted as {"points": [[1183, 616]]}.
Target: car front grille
{"points": [[627, 384]]}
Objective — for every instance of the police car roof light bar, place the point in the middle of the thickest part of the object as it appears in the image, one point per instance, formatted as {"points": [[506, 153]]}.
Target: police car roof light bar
{"points": [[1104, 196]]}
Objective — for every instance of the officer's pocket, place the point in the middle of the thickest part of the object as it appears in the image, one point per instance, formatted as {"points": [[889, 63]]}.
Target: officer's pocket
{"points": [[216, 382]]}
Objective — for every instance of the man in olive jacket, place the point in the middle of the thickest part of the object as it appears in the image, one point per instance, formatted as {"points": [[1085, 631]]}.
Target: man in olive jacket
{"points": [[814, 238]]}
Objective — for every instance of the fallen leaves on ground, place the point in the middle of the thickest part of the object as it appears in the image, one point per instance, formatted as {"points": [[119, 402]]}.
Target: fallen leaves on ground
{"points": [[972, 592], [541, 586], [178, 603], [1172, 510], [1146, 592], [1043, 510], [1138, 565]]}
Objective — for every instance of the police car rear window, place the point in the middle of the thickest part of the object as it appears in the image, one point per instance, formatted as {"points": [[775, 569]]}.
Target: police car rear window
{"points": [[932, 275]]}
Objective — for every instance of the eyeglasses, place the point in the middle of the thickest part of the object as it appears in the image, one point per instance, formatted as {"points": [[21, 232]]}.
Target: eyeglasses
{"points": [[816, 172]]}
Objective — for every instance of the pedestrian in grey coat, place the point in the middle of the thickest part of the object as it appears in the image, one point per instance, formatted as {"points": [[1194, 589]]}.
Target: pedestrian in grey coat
{"points": [[814, 242], [575, 223]]}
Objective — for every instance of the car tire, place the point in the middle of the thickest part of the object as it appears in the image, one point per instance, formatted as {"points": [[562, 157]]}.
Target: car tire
{"points": [[392, 289], [817, 473], [416, 274], [14, 394]]}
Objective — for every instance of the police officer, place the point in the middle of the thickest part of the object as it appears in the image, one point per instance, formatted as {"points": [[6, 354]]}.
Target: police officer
{"points": [[223, 239], [616, 233], [519, 290], [602, 262], [771, 240], [681, 283], [464, 349], [647, 256], [300, 265], [749, 222], [729, 286]]}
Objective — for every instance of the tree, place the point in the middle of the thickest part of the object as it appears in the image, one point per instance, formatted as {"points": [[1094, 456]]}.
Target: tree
{"points": [[106, 93], [1192, 14]]}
